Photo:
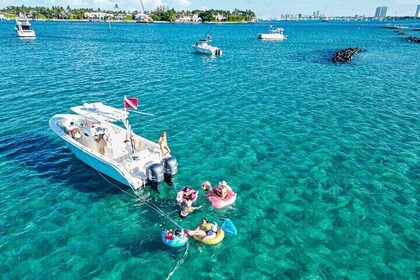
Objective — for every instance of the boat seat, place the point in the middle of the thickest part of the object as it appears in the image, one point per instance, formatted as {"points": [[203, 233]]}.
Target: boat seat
{"points": [[109, 153]]}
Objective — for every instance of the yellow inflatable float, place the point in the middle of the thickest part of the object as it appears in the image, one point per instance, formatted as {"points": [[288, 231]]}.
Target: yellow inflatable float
{"points": [[219, 236]]}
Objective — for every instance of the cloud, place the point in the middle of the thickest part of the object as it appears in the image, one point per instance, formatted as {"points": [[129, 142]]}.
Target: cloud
{"points": [[151, 4], [183, 3]]}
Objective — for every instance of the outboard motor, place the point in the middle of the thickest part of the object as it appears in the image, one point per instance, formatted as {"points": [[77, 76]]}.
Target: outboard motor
{"points": [[170, 168], [155, 176]]}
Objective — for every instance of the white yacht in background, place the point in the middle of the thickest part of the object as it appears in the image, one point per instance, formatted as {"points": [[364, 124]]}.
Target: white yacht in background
{"points": [[274, 34], [23, 28], [203, 47], [112, 150]]}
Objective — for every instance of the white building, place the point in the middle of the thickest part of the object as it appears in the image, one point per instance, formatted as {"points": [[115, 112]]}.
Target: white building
{"points": [[98, 16], [418, 11], [219, 17], [2, 17], [381, 12], [121, 16], [188, 18]]}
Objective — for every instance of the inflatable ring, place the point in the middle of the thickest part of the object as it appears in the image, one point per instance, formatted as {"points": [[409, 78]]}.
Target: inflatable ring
{"points": [[219, 236], [218, 202], [176, 241], [180, 195]]}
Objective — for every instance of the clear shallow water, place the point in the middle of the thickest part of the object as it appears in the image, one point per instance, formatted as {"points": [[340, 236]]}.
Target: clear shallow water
{"points": [[324, 157]]}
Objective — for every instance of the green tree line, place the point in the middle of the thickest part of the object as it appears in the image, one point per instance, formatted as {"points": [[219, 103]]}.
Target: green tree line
{"points": [[161, 13]]}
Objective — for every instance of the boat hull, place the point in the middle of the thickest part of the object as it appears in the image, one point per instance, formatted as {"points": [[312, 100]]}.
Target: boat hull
{"points": [[26, 34], [94, 159], [208, 51], [278, 37], [98, 164]]}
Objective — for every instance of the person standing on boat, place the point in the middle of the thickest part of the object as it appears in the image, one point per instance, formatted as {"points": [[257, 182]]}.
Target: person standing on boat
{"points": [[164, 148]]}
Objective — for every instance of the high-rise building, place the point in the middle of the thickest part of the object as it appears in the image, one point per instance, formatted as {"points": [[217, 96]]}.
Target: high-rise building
{"points": [[418, 11], [381, 12]]}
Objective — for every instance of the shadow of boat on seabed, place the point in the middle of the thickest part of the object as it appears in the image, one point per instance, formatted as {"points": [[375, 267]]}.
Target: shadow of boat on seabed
{"points": [[53, 161]]}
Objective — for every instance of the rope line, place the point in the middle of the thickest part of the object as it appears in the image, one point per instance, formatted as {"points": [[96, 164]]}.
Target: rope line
{"points": [[179, 263], [143, 201]]}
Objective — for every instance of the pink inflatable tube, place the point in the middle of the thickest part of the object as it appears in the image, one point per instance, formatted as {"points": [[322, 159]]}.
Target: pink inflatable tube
{"points": [[218, 203]]}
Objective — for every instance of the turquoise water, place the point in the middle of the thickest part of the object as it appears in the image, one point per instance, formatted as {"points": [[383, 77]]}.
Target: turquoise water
{"points": [[324, 157]]}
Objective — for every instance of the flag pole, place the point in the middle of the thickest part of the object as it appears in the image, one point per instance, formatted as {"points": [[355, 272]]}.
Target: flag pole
{"points": [[128, 127]]}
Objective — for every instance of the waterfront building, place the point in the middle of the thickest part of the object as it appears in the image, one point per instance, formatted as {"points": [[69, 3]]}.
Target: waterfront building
{"points": [[219, 17], [2, 17], [381, 12], [97, 16], [188, 18]]}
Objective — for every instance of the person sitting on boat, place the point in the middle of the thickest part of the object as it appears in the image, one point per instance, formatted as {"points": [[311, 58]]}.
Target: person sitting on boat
{"points": [[187, 195], [75, 134], [222, 190], [163, 144], [187, 210], [202, 233]]}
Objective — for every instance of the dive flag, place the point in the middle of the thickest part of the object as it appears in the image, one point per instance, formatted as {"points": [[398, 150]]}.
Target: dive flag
{"points": [[131, 103]]}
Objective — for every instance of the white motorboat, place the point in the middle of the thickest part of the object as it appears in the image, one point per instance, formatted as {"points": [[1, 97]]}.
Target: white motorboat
{"points": [[203, 47], [274, 34], [23, 28], [113, 150]]}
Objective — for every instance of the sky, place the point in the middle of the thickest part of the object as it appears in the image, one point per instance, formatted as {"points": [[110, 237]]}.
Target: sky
{"points": [[263, 8]]}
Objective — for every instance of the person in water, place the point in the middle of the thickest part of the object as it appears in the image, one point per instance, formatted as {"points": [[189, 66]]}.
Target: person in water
{"points": [[221, 191], [175, 234], [169, 235], [187, 210], [202, 233], [163, 144], [187, 196]]}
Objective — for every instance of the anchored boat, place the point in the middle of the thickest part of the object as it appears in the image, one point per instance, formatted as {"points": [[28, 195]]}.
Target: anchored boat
{"points": [[23, 28], [93, 137], [203, 47], [274, 34]]}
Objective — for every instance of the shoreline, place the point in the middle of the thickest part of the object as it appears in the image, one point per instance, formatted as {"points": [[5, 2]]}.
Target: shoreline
{"points": [[134, 21]]}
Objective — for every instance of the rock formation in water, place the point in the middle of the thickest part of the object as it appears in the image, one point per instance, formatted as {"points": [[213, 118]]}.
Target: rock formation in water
{"points": [[346, 55], [413, 39]]}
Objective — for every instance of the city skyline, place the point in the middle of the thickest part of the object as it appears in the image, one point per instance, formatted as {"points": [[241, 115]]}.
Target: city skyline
{"points": [[264, 8], [381, 12]]}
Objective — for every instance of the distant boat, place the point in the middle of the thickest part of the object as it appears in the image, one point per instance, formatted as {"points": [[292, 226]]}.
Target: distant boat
{"points": [[112, 150], [203, 47], [23, 28], [142, 17], [274, 34], [388, 26]]}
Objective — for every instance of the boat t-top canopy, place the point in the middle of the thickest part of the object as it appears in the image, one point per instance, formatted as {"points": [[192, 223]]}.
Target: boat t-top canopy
{"points": [[100, 112]]}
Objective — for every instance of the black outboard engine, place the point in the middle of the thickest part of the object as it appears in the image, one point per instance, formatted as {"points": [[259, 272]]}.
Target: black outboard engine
{"points": [[170, 168], [155, 176]]}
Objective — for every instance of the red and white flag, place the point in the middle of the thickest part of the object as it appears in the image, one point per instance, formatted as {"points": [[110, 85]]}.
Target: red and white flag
{"points": [[131, 103]]}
